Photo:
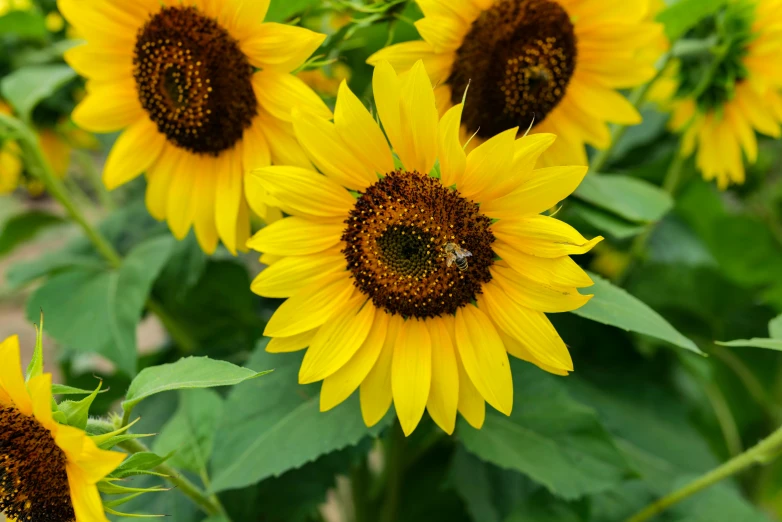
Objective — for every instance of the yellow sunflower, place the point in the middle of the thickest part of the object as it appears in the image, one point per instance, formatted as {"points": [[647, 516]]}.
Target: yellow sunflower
{"points": [[48, 471], [552, 65], [719, 117], [179, 76], [414, 283]]}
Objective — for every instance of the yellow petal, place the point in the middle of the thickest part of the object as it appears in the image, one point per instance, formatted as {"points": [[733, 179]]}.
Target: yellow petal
{"points": [[133, 152], [228, 196], [159, 180], [295, 236], [283, 145], [40, 388], [180, 209], [86, 501], [280, 93], [402, 57], [488, 163], [332, 156], [360, 132], [526, 152], [557, 271], [471, 404], [453, 160], [294, 343], [109, 107], [544, 190], [99, 63], [376, 388], [204, 219], [256, 154], [542, 236], [535, 295], [96, 463], [311, 307], [443, 33], [484, 357], [604, 103], [419, 120], [304, 192], [518, 350], [387, 88], [411, 373], [338, 340], [11, 378], [529, 327], [342, 383], [280, 47], [444, 394], [243, 20], [289, 275]]}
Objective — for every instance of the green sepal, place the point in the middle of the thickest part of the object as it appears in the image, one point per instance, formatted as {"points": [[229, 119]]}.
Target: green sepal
{"points": [[120, 514], [35, 368], [78, 412], [140, 464], [108, 487]]}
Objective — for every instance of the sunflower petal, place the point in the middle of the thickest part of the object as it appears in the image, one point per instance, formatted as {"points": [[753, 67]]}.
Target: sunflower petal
{"points": [[295, 236], [294, 343], [304, 192], [126, 159], [280, 47], [11, 378], [444, 394], [411, 373], [375, 390]]}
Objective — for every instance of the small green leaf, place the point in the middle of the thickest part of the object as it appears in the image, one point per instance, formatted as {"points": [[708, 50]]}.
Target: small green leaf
{"points": [[769, 344], [138, 464], [546, 435], [190, 433], [775, 327], [681, 16], [613, 306], [187, 373], [61, 389], [27, 87], [23, 24], [274, 424], [78, 412], [630, 198], [35, 367], [24, 227]]}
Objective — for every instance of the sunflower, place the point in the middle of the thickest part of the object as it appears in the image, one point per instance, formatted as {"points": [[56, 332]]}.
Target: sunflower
{"points": [[414, 282], [179, 76], [718, 118], [48, 471], [552, 66]]}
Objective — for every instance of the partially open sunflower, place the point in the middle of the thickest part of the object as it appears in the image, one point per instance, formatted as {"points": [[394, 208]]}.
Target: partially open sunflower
{"points": [[414, 282], [48, 471], [553, 65], [179, 77]]}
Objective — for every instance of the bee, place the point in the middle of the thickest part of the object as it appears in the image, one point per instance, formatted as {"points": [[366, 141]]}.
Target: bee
{"points": [[458, 255]]}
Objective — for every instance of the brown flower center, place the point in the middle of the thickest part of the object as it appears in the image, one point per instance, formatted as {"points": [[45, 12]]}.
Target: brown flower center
{"points": [[193, 80], [33, 483], [417, 248], [518, 59]]}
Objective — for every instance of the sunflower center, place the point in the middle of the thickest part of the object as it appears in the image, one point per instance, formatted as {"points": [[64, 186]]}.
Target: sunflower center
{"points": [[193, 80], [518, 59], [33, 483], [417, 248]]}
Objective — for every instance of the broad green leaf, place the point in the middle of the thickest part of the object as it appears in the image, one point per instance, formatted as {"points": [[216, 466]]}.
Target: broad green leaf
{"points": [[775, 327], [23, 24], [28, 86], [187, 373], [681, 16], [190, 433], [23, 227], [545, 435], [273, 425], [769, 344], [613, 306], [606, 222], [631, 198], [542, 507], [282, 11], [21, 274], [470, 479], [98, 310]]}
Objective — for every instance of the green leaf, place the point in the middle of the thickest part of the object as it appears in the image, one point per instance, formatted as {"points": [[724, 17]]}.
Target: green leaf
{"points": [[35, 368], [27, 87], [775, 327], [274, 424], [541, 507], [78, 412], [546, 433], [98, 310], [138, 463], [23, 227], [23, 24], [61, 389], [606, 222], [631, 198], [613, 306], [282, 11], [23, 273], [681, 16], [187, 373], [769, 344], [190, 433]]}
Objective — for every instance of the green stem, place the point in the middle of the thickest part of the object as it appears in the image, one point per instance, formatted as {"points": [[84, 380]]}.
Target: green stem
{"points": [[395, 469], [762, 453], [637, 98], [209, 504], [94, 177]]}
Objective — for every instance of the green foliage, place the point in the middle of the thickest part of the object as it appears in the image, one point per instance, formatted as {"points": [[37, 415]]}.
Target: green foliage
{"points": [[630, 198], [24, 227], [273, 424], [27, 87], [682, 15]]}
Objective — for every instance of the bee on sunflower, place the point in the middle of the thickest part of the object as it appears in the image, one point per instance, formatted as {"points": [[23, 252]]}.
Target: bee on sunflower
{"points": [[203, 92], [414, 281], [551, 66], [48, 471], [720, 103]]}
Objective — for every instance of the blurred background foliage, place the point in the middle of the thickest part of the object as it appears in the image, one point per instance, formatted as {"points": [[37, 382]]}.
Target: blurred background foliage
{"points": [[638, 418]]}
